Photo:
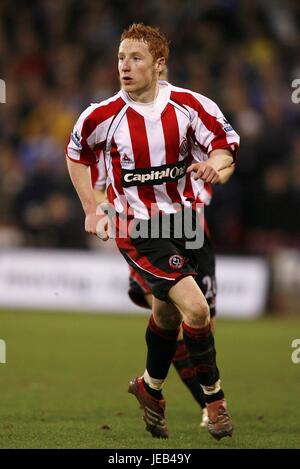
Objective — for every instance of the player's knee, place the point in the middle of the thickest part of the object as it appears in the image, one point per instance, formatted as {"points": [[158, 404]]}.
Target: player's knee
{"points": [[170, 323], [168, 319], [197, 313]]}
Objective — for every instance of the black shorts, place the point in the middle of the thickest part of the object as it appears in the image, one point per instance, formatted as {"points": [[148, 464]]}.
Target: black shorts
{"points": [[161, 262]]}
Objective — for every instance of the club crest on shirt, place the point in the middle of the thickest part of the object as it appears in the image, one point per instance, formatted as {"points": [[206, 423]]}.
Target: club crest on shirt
{"points": [[176, 261], [183, 149]]}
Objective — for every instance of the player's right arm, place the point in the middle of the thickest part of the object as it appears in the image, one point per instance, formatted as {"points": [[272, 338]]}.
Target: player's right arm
{"points": [[80, 157], [98, 178], [81, 179]]}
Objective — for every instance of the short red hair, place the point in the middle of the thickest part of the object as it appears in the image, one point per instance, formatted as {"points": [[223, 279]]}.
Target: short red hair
{"points": [[154, 38]]}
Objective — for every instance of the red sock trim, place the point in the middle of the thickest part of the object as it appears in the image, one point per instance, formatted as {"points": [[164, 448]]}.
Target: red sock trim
{"points": [[168, 334], [198, 333]]}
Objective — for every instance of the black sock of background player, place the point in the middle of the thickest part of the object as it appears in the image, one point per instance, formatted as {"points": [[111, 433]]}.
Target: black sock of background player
{"points": [[187, 372], [161, 345]]}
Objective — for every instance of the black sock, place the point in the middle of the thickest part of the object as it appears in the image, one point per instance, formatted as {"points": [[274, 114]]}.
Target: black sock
{"points": [[153, 392], [161, 349], [214, 397], [187, 372], [201, 346]]}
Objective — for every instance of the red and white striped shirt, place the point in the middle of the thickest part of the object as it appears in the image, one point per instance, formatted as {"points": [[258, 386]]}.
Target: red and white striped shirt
{"points": [[148, 148]]}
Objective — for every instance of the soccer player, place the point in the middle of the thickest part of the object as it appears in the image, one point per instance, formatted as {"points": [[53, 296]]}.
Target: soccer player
{"points": [[140, 292], [150, 133]]}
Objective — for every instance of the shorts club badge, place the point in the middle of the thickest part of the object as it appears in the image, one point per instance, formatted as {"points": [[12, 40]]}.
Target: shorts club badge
{"points": [[176, 261]]}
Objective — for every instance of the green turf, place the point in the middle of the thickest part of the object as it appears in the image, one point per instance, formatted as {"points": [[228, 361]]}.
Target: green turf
{"points": [[65, 384]]}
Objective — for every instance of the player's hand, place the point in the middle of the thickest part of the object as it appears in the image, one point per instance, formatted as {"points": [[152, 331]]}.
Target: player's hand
{"points": [[204, 171], [97, 224]]}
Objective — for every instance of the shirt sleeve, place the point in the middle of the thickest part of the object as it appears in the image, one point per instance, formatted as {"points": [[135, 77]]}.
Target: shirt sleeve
{"points": [[211, 129], [81, 146]]}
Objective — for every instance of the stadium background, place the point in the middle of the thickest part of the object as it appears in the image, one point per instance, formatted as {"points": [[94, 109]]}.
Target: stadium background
{"points": [[57, 57]]}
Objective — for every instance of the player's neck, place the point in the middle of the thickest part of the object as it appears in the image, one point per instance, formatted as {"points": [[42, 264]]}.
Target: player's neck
{"points": [[145, 96]]}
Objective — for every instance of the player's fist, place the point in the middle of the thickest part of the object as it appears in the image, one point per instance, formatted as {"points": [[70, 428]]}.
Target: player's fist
{"points": [[104, 228], [91, 222], [204, 171]]}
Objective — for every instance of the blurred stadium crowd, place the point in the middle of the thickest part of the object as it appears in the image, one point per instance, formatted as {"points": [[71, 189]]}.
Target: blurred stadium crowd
{"points": [[57, 57]]}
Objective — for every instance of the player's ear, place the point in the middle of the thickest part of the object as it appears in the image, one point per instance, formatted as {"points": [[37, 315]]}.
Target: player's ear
{"points": [[160, 64]]}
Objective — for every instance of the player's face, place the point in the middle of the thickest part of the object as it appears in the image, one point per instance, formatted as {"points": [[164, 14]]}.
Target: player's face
{"points": [[137, 69]]}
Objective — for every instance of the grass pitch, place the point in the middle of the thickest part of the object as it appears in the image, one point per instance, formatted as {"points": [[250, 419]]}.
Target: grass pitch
{"points": [[65, 384]]}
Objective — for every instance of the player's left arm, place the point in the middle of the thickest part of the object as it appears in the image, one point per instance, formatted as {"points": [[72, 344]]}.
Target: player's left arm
{"points": [[216, 170], [226, 173], [214, 134]]}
